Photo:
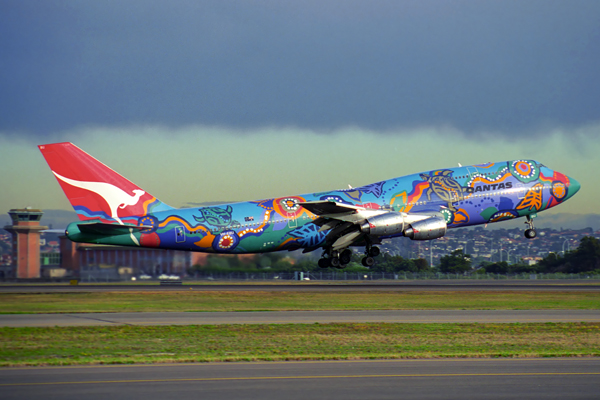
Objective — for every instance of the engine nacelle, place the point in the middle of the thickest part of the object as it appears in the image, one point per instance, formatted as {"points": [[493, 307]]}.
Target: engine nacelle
{"points": [[391, 223], [426, 229]]}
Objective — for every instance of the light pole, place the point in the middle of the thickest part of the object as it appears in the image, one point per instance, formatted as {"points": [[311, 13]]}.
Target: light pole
{"points": [[507, 254], [430, 253], [466, 247], [568, 246]]}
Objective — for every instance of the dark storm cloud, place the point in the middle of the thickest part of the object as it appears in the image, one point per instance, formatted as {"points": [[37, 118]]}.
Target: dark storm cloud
{"points": [[474, 65]]}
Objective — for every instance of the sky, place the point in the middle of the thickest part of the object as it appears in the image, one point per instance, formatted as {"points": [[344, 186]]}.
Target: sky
{"points": [[208, 101]]}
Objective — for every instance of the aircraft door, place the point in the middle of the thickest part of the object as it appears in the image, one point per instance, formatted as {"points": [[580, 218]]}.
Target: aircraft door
{"points": [[179, 234], [521, 190], [472, 171], [456, 196], [292, 222]]}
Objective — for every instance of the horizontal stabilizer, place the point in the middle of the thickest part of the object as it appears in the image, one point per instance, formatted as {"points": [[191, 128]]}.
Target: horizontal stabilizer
{"points": [[100, 228], [59, 231]]}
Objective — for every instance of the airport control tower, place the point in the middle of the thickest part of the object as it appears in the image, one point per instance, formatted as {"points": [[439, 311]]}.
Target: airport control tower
{"points": [[26, 241]]}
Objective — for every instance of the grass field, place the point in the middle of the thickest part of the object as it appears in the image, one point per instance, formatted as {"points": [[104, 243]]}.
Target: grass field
{"points": [[190, 300], [150, 344]]}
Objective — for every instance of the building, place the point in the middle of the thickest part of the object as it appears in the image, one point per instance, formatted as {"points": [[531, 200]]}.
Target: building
{"points": [[100, 262], [25, 230]]}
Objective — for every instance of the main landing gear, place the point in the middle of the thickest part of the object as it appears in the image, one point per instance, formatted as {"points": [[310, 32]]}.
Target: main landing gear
{"points": [[370, 253], [335, 259], [530, 232], [339, 259]]}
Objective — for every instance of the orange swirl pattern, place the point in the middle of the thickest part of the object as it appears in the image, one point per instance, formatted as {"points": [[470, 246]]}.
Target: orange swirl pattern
{"points": [[147, 204], [258, 229], [413, 198], [182, 222], [488, 181]]}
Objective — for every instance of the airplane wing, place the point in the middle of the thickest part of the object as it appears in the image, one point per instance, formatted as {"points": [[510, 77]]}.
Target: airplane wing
{"points": [[326, 207], [348, 224], [332, 214], [342, 220]]}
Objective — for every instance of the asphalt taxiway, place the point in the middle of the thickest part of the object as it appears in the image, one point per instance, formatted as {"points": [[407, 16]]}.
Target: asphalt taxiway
{"points": [[398, 379], [298, 317]]}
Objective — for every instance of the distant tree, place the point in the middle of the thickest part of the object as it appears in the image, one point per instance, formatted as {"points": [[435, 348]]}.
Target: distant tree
{"points": [[387, 263], [503, 268], [216, 263], [354, 267], [455, 262], [497, 268], [584, 259], [391, 264], [264, 261], [421, 264], [551, 263], [523, 268], [237, 264], [284, 264], [305, 264]]}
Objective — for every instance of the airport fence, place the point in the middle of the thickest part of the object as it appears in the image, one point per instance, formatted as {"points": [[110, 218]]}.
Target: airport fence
{"points": [[374, 276], [110, 276]]}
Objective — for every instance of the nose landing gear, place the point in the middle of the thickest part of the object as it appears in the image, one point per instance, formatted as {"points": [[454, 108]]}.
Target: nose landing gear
{"points": [[530, 232]]}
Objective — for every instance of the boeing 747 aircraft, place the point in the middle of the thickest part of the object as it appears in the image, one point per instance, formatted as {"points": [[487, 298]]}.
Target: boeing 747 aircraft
{"points": [[113, 210]]}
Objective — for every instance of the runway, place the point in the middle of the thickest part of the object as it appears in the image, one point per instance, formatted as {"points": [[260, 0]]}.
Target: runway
{"points": [[564, 285], [298, 317], [404, 379]]}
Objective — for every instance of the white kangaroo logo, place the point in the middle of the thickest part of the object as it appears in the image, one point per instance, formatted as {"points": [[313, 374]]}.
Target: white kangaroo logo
{"points": [[114, 196]]}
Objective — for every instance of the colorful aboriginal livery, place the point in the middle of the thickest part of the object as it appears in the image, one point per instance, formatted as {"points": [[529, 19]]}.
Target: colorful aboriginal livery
{"points": [[113, 210]]}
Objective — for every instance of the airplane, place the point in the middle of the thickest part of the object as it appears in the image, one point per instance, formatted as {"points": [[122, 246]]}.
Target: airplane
{"points": [[112, 210]]}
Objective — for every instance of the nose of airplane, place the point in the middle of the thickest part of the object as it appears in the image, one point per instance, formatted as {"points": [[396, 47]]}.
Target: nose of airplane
{"points": [[574, 187]]}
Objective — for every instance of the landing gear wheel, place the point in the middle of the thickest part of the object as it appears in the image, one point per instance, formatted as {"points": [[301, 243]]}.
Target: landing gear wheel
{"points": [[374, 251], [368, 261], [346, 256], [530, 233], [335, 262], [324, 263]]}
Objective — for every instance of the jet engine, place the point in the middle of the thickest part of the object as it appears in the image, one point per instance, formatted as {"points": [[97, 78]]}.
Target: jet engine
{"points": [[387, 224], [426, 229], [393, 223]]}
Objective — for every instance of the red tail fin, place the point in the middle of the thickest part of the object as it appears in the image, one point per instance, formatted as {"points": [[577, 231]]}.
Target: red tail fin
{"points": [[94, 190]]}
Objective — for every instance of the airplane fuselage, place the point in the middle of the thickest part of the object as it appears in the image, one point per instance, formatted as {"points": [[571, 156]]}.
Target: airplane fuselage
{"points": [[462, 196]]}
